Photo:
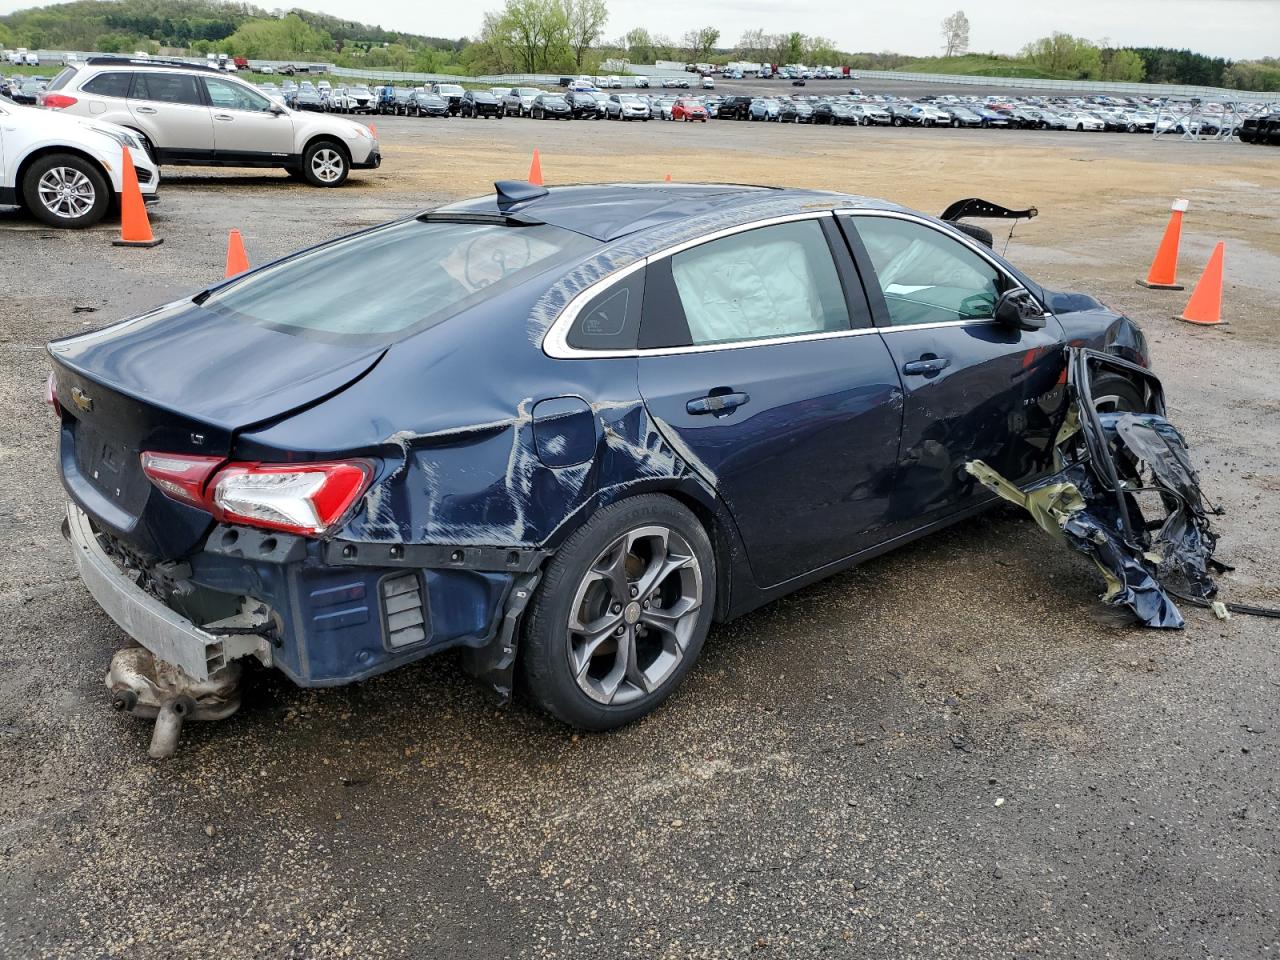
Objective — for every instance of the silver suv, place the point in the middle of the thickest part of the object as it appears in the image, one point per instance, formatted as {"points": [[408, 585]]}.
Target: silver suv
{"points": [[192, 114]]}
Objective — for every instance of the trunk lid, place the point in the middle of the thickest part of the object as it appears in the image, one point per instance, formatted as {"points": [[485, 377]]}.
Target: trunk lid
{"points": [[180, 379]]}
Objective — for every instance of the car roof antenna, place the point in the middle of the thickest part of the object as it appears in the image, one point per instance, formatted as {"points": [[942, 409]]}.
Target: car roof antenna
{"points": [[512, 192]]}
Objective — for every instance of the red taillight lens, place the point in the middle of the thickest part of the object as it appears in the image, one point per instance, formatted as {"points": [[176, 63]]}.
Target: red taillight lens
{"points": [[180, 476], [305, 498], [51, 395], [57, 101]]}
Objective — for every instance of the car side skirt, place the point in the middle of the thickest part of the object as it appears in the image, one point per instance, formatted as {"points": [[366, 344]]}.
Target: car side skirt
{"points": [[746, 600], [214, 158]]}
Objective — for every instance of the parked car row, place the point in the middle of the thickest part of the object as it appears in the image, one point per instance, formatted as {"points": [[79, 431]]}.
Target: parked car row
{"points": [[587, 100], [22, 90], [181, 113], [1263, 129]]}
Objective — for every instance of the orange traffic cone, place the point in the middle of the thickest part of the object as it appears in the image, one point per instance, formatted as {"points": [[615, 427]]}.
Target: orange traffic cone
{"points": [[1205, 305], [135, 228], [1163, 274], [667, 178], [535, 169], [373, 128], [237, 259]]}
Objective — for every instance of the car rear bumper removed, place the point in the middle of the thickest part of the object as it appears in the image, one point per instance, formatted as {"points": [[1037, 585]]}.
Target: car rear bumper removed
{"points": [[167, 634], [323, 613]]}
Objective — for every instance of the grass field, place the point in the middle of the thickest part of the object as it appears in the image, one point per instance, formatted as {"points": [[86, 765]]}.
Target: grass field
{"points": [[976, 65]]}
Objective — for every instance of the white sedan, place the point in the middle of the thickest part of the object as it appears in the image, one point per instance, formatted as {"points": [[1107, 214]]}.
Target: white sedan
{"points": [[65, 169], [1077, 120]]}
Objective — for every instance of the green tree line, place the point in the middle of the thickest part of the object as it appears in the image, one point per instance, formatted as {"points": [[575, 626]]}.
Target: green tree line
{"points": [[560, 36]]}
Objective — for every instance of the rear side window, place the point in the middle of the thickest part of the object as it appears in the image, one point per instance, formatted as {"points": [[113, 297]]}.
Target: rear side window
{"points": [[382, 285], [166, 88], [108, 85], [611, 321], [768, 282]]}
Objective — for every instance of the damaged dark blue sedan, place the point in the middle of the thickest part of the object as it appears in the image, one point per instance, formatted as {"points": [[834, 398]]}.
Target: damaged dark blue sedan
{"points": [[563, 430]]}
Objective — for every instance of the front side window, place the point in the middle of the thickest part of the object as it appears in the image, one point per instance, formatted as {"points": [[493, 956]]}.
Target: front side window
{"points": [[426, 272], [769, 282], [225, 95], [166, 88], [925, 275]]}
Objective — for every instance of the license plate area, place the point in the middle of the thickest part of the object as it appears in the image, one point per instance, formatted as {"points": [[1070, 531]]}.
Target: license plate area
{"points": [[111, 467]]}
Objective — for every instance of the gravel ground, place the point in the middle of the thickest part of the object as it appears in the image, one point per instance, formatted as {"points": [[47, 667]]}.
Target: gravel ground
{"points": [[948, 752]]}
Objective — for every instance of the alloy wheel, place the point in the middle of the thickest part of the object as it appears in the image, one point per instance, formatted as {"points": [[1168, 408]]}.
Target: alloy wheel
{"points": [[633, 615], [66, 192], [327, 164]]}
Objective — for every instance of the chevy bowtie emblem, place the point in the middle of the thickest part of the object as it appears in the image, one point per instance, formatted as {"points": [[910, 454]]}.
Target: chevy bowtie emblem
{"points": [[81, 399]]}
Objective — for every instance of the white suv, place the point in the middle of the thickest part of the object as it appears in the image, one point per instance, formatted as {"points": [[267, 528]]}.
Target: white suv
{"points": [[194, 114], [66, 170]]}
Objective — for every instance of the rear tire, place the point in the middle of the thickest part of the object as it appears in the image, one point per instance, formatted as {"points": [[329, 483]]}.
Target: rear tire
{"points": [[577, 667]]}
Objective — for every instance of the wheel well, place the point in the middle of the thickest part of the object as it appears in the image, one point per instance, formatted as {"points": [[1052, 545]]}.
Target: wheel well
{"points": [[720, 546], [326, 138], [35, 155]]}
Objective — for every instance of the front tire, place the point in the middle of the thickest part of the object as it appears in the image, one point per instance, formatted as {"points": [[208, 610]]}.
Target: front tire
{"points": [[65, 190], [1113, 393], [325, 164], [621, 614]]}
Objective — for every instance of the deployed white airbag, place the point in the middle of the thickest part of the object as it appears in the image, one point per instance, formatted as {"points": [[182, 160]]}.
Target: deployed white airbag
{"points": [[745, 289]]}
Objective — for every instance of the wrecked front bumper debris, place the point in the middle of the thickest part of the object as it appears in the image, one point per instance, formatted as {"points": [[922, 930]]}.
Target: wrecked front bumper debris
{"points": [[1124, 493]]}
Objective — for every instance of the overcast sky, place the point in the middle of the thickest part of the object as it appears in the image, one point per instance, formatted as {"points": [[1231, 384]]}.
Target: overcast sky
{"points": [[1237, 29]]}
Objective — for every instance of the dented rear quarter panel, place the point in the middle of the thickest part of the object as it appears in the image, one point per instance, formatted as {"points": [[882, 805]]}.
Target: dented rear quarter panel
{"points": [[451, 421]]}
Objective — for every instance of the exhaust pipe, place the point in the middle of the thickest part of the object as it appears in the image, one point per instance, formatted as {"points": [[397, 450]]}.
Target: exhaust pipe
{"points": [[157, 690]]}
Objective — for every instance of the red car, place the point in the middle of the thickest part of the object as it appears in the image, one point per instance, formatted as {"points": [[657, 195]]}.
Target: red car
{"points": [[689, 110]]}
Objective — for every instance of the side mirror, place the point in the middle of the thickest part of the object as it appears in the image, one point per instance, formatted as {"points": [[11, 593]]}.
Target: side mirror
{"points": [[276, 110], [1018, 310]]}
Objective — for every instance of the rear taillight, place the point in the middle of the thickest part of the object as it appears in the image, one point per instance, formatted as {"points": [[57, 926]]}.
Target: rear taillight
{"points": [[305, 498], [51, 395], [57, 101], [180, 476]]}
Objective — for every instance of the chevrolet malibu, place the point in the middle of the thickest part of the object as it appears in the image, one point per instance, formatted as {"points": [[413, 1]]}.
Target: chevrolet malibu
{"points": [[565, 431]]}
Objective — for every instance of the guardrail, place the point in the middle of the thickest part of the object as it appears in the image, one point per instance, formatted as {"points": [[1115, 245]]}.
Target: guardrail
{"points": [[1173, 90], [1071, 86]]}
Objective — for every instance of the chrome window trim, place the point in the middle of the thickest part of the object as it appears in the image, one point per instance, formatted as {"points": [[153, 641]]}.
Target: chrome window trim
{"points": [[1012, 282], [555, 340]]}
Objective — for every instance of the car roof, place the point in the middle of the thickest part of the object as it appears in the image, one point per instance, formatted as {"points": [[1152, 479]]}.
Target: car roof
{"points": [[637, 220], [608, 212]]}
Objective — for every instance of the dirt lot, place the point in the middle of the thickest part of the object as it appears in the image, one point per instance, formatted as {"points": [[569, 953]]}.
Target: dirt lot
{"points": [[945, 753]]}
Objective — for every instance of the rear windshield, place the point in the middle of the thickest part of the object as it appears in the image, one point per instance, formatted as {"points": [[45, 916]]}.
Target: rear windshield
{"points": [[380, 286]]}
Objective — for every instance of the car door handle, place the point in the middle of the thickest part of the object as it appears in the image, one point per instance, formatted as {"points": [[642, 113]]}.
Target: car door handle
{"points": [[145, 109], [926, 366], [717, 403], [223, 116]]}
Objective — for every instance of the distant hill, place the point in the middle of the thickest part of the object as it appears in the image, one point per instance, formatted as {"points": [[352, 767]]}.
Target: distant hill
{"points": [[115, 25]]}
